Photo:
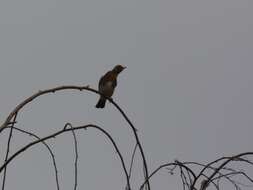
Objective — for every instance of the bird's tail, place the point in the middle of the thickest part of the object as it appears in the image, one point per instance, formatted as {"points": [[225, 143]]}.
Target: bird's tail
{"points": [[101, 103]]}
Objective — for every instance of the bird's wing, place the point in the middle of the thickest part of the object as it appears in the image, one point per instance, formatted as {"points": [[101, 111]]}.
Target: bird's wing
{"points": [[109, 76]]}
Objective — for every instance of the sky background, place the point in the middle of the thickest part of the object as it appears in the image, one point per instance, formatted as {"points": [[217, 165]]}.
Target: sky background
{"points": [[188, 85]]}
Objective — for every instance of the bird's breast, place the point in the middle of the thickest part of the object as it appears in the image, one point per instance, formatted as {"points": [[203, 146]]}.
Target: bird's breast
{"points": [[107, 88]]}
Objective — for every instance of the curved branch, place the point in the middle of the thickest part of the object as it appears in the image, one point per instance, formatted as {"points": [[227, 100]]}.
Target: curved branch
{"points": [[233, 158], [36, 95], [76, 152], [61, 132], [221, 175], [80, 88], [132, 161], [49, 149], [8, 149], [176, 163], [228, 159], [137, 141]]}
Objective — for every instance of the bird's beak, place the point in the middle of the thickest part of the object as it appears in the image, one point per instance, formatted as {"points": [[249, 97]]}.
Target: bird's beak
{"points": [[124, 67]]}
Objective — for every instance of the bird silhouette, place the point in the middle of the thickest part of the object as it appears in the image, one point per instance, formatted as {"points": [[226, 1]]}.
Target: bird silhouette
{"points": [[107, 84]]}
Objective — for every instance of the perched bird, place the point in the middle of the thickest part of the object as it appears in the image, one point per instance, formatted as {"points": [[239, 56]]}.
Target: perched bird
{"points": [[107, 84]]}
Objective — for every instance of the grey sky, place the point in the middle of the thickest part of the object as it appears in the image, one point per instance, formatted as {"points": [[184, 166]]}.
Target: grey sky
{"points": [[187, 86]]}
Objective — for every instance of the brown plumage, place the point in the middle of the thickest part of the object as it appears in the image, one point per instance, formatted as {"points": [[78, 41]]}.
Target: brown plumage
{"points": [[107, 84]]}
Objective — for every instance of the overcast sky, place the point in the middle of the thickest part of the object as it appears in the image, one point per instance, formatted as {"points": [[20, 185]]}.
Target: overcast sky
{"points": [[188, 85]]}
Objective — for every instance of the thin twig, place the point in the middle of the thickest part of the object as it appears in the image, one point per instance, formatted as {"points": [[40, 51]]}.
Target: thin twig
{"points": [[61, 132], [183, 178], [49, 149], [76, 152], [227, 160], [214, 168], [132, 161], [137, 141], [176, 163], [80, 88], [8, 149]]}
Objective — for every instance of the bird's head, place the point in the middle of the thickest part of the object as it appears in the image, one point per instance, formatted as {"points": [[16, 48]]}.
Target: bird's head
{"points": [[118, 68]]}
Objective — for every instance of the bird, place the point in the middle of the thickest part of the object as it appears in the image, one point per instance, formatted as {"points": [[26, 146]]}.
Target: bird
{"points": [[107, 84]]}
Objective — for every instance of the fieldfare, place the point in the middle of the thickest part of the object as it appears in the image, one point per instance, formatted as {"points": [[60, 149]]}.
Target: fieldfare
{"points": [[107, 84]]}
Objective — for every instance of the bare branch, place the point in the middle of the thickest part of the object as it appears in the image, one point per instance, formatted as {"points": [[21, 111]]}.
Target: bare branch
{"points": [[49, 149], [176, 163], [76, 152], [228, 159], [8, 148], [132, 161], [64, 130], [80, 88]]}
